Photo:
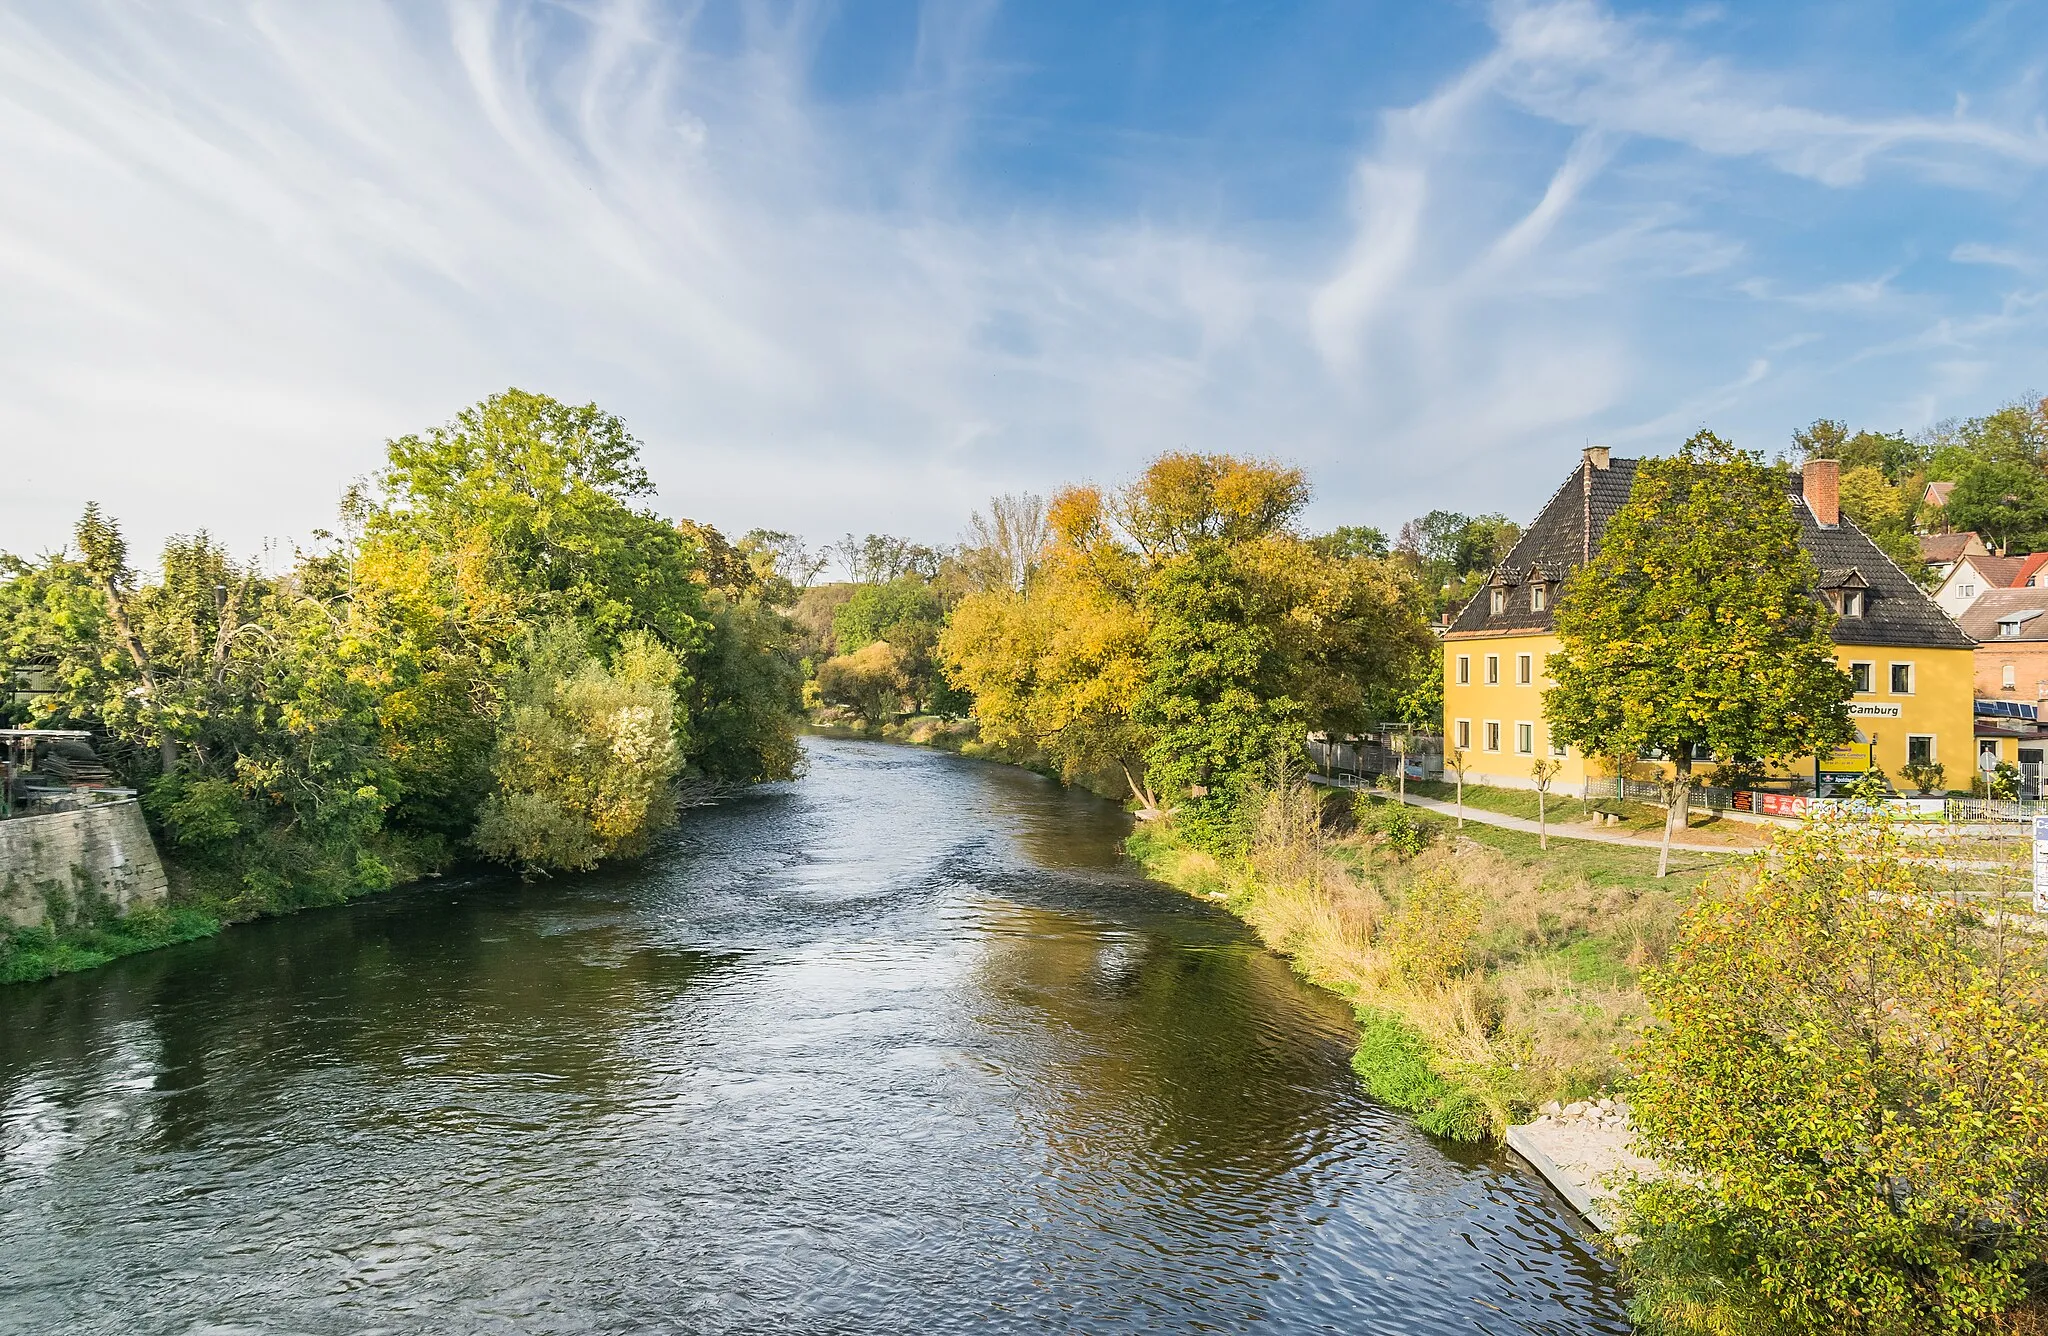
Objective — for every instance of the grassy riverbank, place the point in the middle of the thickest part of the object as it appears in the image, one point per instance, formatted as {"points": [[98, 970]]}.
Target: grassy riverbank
{"points": [[1488, 976], [210, 891]]}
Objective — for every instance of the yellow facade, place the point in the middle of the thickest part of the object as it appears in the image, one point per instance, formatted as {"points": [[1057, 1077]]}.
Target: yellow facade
{"points": [[1493, 710]]}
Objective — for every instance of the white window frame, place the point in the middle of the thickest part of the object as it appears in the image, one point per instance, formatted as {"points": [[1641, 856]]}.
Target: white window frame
{"points": [[1493, 670], [1927, 738], [1499, 602], [1538, 599], [1558, 750], [1491, 736], [1464, 670], [1461, 729], [1525, 732], [1525, 669], [1869, 687], [1966, 591], [1892, 678], [2008, 678]]}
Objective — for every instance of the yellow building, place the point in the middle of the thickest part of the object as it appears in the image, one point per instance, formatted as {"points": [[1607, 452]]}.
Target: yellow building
{"points": [[1912, 664]]}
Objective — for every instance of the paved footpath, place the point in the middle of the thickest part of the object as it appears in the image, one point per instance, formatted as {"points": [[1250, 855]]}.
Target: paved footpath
{"points": [[1558, 832], [1577, 832]]}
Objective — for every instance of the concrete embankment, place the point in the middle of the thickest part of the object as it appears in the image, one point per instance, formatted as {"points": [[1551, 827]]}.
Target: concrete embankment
{"points": [[63, 868], [1583, 1150]]}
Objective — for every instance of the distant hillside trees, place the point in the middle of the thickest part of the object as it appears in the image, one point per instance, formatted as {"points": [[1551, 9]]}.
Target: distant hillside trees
{"points": [[1180, 630]]}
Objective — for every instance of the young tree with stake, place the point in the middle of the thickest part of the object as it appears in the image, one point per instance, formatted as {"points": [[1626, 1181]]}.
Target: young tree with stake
{"points": [[1542, 772], [1454, 760], [1698, 623]]}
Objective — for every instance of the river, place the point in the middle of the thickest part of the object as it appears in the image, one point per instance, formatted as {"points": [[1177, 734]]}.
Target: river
{"points": [[903, 1046]]}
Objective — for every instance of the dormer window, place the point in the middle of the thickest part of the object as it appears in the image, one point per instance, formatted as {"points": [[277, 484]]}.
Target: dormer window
{"points": [[2013, 625], [1500, 601], [1539, 598], [1847, 592]]}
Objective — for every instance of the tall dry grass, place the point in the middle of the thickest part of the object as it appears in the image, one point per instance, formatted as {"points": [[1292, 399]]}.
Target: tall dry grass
{"points": [[1521, 985]]}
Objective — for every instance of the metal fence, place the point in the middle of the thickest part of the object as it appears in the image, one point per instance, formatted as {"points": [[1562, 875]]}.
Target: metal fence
{"points": [[1962, 811], [1372, 756]]}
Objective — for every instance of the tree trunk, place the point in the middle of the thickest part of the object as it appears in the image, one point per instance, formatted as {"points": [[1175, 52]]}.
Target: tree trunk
{"points": [[1461, 800], [1542, 823], [1679, 801], [167, 746]]}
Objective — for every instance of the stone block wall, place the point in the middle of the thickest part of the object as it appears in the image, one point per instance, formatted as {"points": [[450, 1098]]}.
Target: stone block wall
{"points": [[62, 868]]}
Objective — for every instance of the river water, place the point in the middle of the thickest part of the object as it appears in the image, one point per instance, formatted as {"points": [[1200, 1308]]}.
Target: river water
{"points": [[903, 1046]]}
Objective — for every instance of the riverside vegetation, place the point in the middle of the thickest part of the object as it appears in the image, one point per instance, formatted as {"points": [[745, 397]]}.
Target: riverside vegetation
{"points": [[502, 653], [501, 656]]}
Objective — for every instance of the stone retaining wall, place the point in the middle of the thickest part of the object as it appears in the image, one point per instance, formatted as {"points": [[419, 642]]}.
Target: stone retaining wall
{"points": [[63, 868]]}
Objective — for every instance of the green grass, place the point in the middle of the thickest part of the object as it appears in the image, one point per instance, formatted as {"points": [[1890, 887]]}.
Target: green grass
{"points": [[1507, 802], [1393, 1062], [1599, 864], [1638, 818], [37, 953], [1595, 960]]}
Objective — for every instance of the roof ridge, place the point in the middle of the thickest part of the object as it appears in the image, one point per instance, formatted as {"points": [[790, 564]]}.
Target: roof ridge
{"points": [[1521, 538]]}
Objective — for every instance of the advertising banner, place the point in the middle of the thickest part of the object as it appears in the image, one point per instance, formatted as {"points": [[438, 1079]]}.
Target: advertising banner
{"points": [[2041, 865]]}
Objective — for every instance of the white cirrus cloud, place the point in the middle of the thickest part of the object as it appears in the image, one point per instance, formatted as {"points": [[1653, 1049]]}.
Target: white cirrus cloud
{"points": [[245, 242]]}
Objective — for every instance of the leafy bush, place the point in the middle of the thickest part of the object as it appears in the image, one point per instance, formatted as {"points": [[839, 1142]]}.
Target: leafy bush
{"points": [[1849, 1081], [871, 681], [586, 755], [1931, 777], [1405, 835], [1432, 934]]}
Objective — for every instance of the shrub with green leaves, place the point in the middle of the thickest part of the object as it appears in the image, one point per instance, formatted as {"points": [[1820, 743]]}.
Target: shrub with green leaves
{"points": [[1432, 934], [1849, 1084], [586, 755]]}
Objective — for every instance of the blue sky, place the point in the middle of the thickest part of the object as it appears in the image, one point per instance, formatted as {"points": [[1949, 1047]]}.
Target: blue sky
{"points": [[859, 266]]}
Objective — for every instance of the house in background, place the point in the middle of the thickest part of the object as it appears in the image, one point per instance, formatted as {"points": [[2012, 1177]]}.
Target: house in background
{"points": [[1934, 506], [1941, 551], [1911, 664], [2010, 627], [1974, 575]]}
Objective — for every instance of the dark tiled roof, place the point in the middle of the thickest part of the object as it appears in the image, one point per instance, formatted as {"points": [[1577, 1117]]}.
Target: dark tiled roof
{"points": [[1980, 619], [1555, 544], [1896, 610]]}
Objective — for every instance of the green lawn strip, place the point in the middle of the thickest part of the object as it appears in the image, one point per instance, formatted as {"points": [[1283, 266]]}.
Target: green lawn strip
{"points": [[1599, 864], [1641, 818], [38, 953]]}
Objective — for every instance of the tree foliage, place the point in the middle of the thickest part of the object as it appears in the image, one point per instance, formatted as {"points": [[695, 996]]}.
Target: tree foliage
{"points": [[1179, 630], [1698, 623], [307, 733], [1849, 1086], [586, 754]]}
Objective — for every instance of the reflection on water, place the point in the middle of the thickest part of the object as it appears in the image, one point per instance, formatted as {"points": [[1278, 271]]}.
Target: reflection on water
{"points": [[903, 1046]]}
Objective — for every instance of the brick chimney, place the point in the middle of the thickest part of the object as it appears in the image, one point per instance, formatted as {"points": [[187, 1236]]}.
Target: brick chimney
{"points": [[1596, 456], [1823, 487]]}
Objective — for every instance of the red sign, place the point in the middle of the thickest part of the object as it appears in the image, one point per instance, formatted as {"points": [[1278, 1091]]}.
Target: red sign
{"points": [[1775, 804]]}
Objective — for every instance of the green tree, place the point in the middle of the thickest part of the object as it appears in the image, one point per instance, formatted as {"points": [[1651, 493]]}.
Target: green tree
{"points": [[587, 755], [1698, 624], [543, 493], [2005, 500], [1893, 456], [872, 682], [1181, 630], [747, 696], [1848, 1087]]}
